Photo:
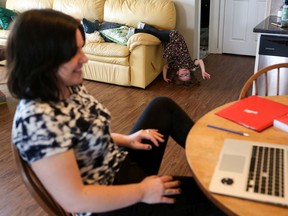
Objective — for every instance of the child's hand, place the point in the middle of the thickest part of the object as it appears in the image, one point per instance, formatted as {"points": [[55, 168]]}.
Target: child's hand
{"points": [[167, 80], [205, 75]]}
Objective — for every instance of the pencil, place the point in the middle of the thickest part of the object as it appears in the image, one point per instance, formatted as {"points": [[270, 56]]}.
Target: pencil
{"points": [[275, 24], [228, 130]]}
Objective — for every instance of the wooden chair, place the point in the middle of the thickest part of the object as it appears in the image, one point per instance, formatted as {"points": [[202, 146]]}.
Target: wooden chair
{"points": [[263, 78], [35, 187]]}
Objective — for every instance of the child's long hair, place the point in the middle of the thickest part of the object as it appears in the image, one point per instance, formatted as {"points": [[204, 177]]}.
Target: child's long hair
{"points": [[175, 78]]}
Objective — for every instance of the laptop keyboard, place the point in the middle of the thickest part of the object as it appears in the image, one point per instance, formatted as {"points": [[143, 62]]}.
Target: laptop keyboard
{"points": [[266, 174]]}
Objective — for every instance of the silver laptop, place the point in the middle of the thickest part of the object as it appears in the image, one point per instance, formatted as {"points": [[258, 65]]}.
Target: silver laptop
{"points": [[252, 170]]}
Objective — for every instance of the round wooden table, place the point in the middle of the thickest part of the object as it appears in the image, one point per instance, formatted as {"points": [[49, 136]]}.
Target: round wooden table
{"points": [[203, 147]]}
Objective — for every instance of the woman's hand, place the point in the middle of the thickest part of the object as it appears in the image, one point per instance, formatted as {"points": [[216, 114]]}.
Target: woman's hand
{"points": [[149, 134], [156, 189]]}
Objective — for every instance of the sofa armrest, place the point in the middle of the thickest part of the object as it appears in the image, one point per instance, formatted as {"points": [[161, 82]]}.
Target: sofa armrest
{"points": [[142, 39]]}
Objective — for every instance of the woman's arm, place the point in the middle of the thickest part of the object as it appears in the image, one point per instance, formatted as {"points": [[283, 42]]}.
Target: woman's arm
{"points": [[61, 177], [134, 140]]}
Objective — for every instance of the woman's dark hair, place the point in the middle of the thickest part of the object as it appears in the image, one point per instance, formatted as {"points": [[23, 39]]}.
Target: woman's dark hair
{"points": [[39, 42]]}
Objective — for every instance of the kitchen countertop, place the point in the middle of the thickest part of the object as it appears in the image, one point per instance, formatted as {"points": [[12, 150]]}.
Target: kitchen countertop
{"points": [[266, 26]]}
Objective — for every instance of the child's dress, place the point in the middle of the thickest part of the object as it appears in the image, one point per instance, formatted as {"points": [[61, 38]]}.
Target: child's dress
{"points": [[177, 55]]}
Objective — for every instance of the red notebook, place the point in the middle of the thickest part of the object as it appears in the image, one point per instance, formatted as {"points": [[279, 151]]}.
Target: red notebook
{"points": [[254, 112]]}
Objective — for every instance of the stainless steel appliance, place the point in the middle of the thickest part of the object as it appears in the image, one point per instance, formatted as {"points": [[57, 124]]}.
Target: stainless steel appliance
{"points": [[273, 49]]}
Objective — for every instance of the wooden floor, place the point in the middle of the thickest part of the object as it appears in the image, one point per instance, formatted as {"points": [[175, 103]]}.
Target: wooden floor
{"points": [[228, 74]]}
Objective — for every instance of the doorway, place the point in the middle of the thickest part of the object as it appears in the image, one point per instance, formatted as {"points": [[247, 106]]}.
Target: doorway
{"points": [[204, 28], [216, 25]]}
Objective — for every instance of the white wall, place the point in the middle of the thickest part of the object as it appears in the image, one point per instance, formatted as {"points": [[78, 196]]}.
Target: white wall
{"points": [[275, 6], [187, 16]]}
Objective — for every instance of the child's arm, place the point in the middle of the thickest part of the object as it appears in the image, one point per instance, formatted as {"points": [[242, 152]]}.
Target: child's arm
{"points": [[165, 69], [200, 62]]}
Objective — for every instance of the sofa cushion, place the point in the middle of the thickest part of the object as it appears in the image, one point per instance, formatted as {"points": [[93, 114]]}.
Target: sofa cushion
{"points": [[4, 34], [159, 13], [94, 37], [21, 6], [116, 61], [106, 49], [6, 17], [3, 37], [79, 9]]}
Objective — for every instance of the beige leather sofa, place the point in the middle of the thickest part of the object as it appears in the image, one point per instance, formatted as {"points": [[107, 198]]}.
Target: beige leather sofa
{"points": [[136, 64]]}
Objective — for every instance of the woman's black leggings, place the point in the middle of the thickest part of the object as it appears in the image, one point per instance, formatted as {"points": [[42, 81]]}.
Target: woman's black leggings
{"points": [[165, 115]]}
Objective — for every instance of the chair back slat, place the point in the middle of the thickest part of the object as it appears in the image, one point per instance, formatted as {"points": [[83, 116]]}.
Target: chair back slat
{"points": [[266, 84], [278, 81]]}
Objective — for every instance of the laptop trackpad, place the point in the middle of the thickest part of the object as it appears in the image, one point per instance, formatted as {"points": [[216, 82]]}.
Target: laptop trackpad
{"points": [[232, 163]]}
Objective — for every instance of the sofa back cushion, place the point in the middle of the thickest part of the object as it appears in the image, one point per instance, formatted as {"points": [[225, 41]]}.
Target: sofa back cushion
{"points": [[159, 13], [79, 9], [23, 5]]}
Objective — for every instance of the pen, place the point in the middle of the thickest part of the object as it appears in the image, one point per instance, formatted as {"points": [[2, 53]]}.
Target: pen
{"points": [[276, 24], [228, 130]]}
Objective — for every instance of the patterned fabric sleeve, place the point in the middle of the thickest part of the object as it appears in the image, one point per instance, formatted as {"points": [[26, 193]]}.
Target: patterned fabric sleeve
{"points": [[38, 133]]}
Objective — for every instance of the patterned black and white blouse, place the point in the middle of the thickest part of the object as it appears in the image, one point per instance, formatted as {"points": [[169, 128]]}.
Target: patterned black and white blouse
{"points": [[44, 129]]}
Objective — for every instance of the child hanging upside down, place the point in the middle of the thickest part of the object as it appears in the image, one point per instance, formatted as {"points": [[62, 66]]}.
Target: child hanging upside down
{"points": [[180, 67]]}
